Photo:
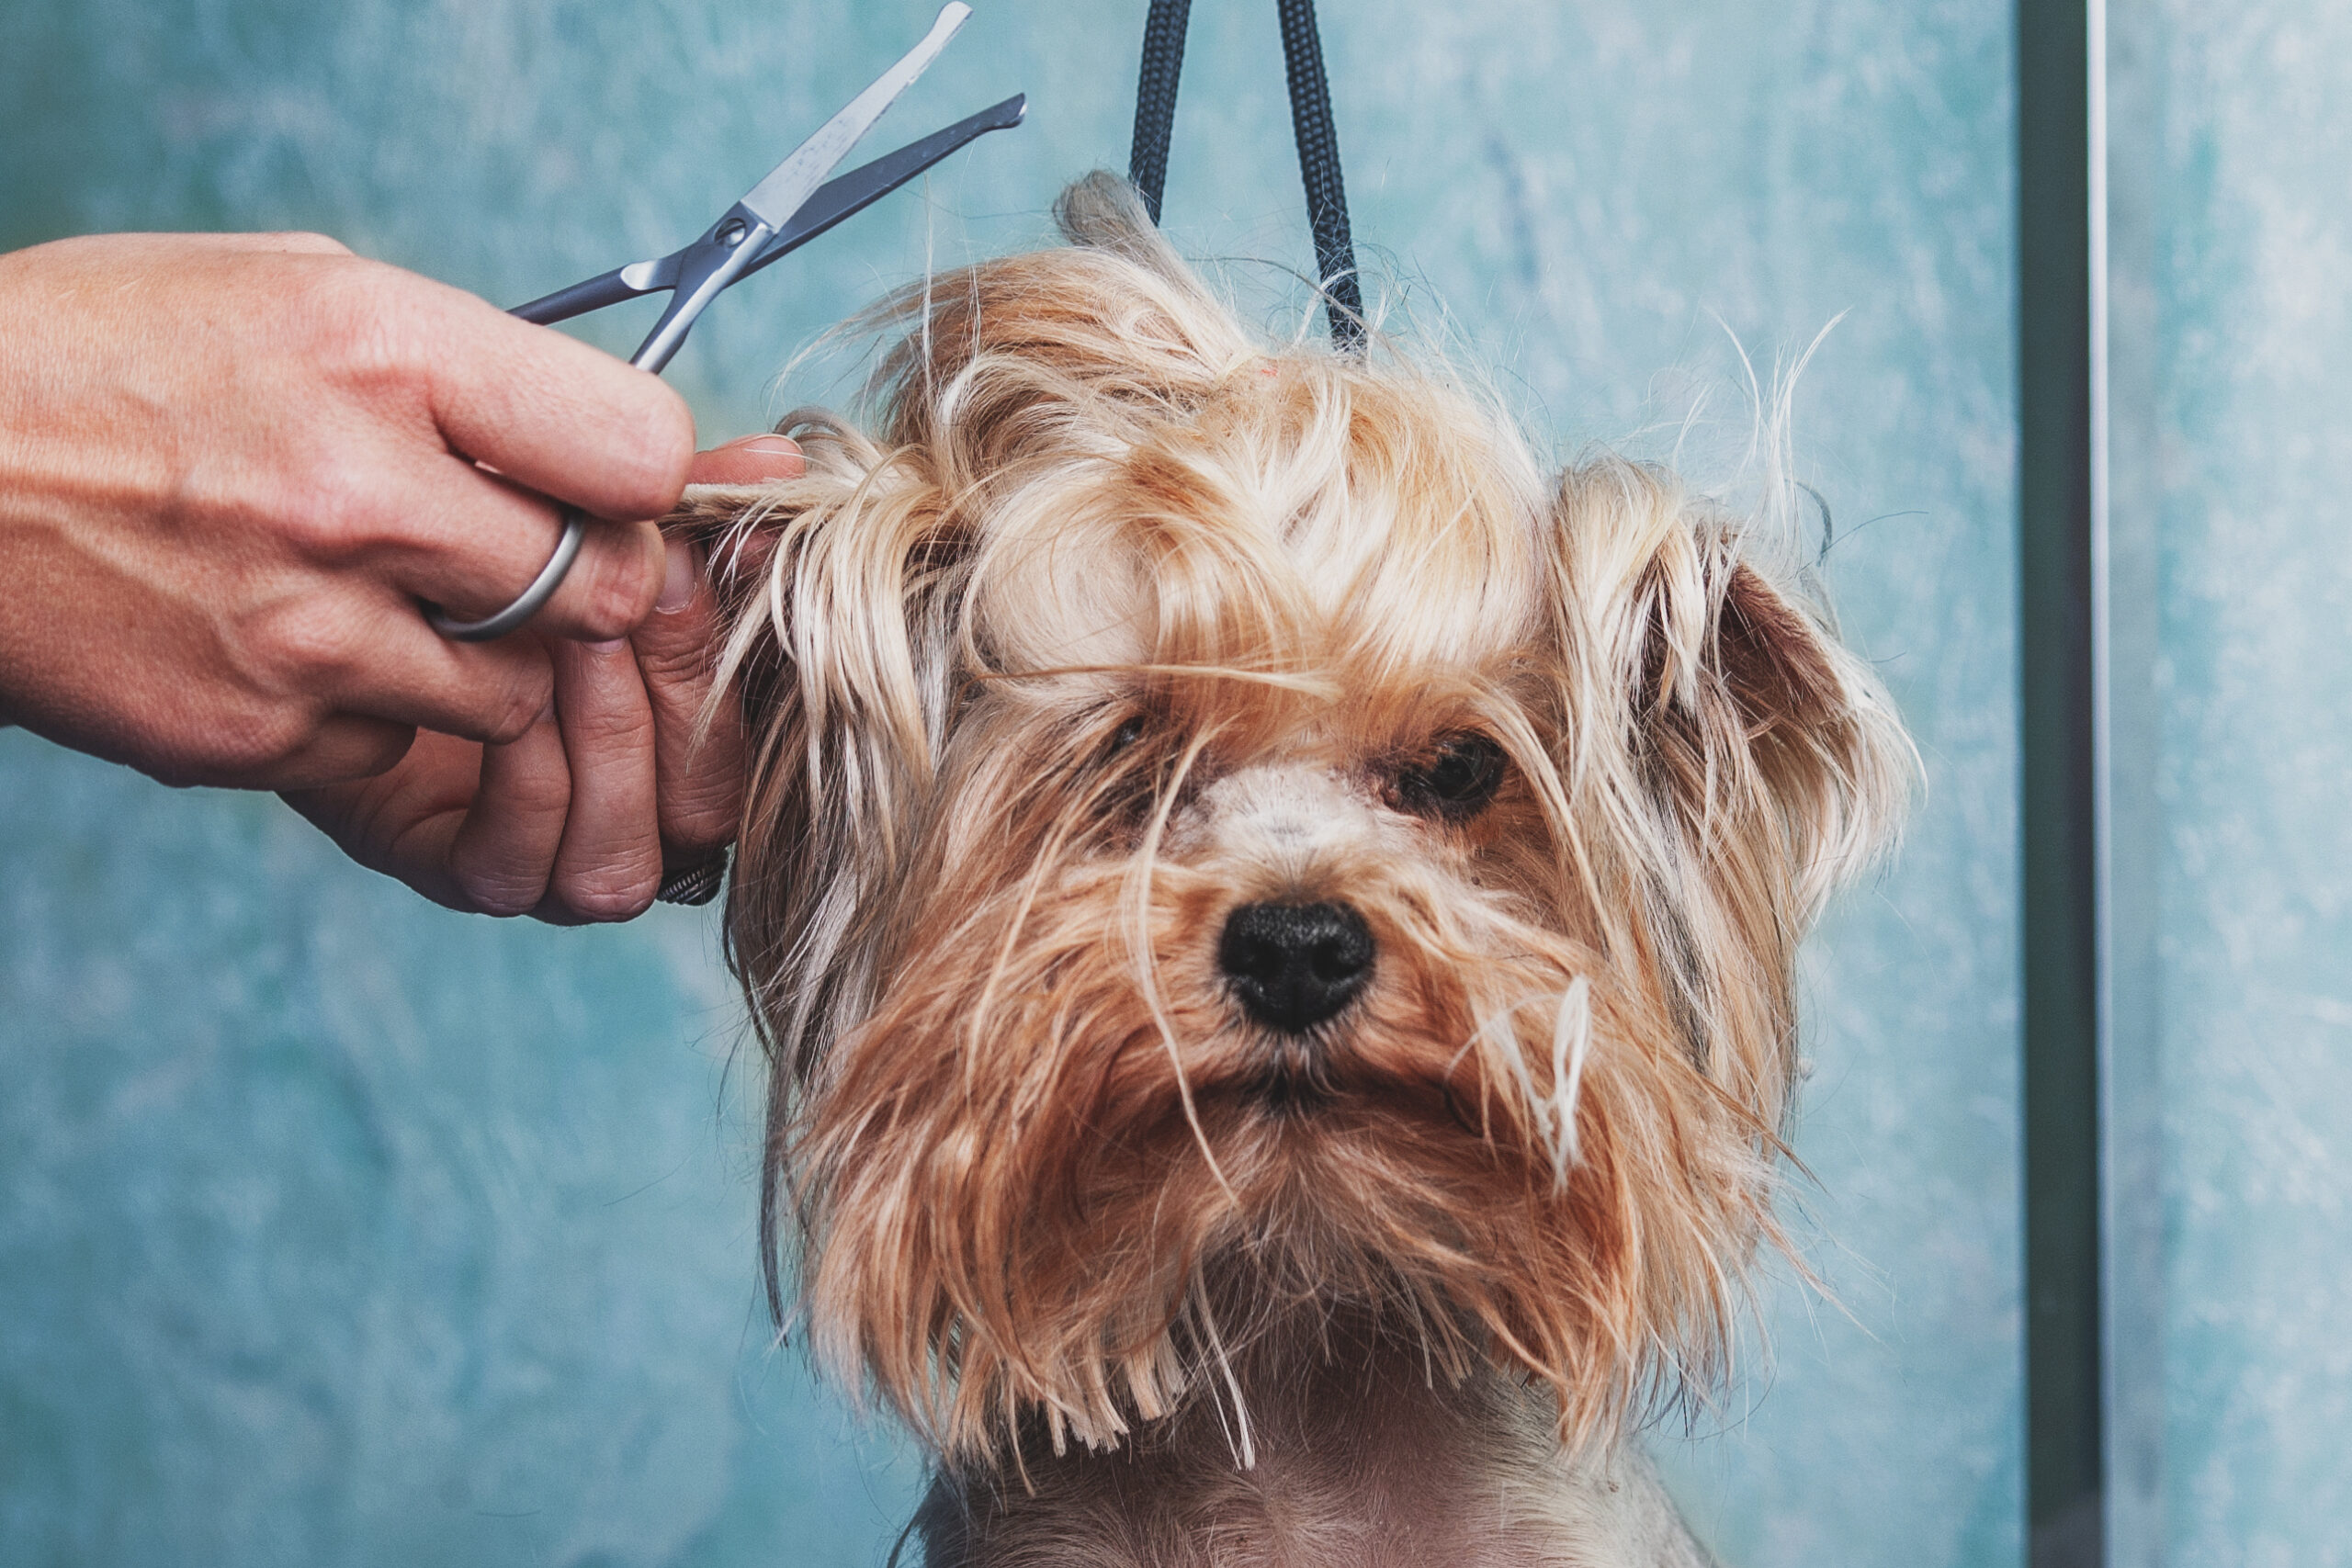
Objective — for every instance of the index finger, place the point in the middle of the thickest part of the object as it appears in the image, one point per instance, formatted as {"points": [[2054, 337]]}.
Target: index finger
{"points": [[557, 416]]}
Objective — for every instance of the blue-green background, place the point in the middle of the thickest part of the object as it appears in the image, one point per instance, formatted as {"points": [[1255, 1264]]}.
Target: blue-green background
{"points": [[335, 1228]]}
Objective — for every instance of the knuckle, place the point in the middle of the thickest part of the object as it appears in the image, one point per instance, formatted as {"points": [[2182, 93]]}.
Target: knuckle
{"points": [[367, 325], [251, 744], [333, 506], [621, 586], [384, 753], [517, 709], [678, 670], [306, 642], [611, 738], [501, 894], [507, 877], [511, 721], [610, 745], [541, 795], [612, 894]]}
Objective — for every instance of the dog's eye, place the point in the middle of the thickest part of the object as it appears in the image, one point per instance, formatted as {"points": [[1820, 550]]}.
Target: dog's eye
{"points": [[1454, 784], [1127, 734]]}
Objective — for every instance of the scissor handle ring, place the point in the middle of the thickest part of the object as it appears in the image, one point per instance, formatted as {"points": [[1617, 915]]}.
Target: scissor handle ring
{"points": [[530, 600]]}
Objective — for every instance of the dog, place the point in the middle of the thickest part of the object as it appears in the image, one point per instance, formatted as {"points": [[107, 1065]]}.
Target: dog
{"points": [[1272, 924]]}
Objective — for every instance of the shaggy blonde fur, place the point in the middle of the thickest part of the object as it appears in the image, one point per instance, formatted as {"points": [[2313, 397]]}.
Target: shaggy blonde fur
{"points": [[1125, 619]]}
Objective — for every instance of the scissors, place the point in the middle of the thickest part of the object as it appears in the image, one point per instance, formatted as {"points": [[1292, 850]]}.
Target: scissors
{"points": [[779, 215]]}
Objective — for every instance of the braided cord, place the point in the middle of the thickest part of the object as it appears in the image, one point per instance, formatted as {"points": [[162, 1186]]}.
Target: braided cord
{"points": [[1319, 167], [1164, 62], [1310, 120]]}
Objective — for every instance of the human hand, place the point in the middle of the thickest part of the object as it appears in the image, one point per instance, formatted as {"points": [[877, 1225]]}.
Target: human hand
{"points": [[581, 816], [231, 466]]}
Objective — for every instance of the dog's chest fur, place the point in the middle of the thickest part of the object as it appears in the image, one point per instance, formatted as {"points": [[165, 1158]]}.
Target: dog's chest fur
{"points": [[1357, 1460]]}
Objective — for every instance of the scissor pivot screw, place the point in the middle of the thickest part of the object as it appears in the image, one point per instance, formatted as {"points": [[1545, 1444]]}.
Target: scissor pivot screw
{"points": [[732, 232]]}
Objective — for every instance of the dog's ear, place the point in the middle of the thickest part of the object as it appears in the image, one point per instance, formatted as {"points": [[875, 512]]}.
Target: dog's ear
{"points": [[1103, 212], [1743, 760], [1820, 732], [839, 594]]}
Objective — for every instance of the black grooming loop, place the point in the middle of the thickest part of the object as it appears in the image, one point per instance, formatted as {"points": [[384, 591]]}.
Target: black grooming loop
{"points": [[1310, 118]]}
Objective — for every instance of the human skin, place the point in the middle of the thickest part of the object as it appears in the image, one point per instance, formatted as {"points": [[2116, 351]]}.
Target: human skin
{"points": [[625, 779], [230, 466]]}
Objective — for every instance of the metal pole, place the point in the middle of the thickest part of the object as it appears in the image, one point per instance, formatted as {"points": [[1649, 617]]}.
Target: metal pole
{"points": [[2061, 573]]}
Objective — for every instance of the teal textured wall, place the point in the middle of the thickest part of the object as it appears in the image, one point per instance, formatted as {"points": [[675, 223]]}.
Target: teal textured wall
{"points": [[2236, 233], [337, 1228]]}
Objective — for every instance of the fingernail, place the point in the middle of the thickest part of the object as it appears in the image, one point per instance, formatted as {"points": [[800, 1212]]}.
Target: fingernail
{"points": [[677, 578], [613, 645], [766, 446]]}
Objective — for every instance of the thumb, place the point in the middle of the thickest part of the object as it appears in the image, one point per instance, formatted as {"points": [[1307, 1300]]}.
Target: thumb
{"points": [[747, 460]]}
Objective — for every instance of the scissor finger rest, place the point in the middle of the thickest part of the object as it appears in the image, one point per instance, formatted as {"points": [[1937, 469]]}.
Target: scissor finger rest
{"points": [[530, 602]]}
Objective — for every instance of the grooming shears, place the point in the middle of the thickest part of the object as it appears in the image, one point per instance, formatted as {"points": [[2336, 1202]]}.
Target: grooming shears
{"points": [[791, 206]]}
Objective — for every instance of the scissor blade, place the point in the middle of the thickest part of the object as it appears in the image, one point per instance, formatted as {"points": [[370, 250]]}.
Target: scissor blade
{"points": [[775, 199], [853, 193]]}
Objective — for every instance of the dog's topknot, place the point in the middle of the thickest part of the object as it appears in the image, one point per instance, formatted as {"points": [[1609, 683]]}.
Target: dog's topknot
{"points": [[1125, 619]]}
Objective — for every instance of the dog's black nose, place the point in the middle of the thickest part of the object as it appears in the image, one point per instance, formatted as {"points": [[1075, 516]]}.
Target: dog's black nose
{"points": [[1295, 964]]}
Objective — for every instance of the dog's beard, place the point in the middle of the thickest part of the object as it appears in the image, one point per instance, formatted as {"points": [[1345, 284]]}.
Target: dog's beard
{"points": [[1058, 1169]]}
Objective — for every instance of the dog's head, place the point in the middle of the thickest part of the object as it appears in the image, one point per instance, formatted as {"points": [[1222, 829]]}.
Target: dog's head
{"points": [[1227, 836]]}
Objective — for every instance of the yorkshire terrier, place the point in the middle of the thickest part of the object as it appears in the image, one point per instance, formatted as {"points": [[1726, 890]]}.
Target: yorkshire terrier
{"points": [[1272, 927]]}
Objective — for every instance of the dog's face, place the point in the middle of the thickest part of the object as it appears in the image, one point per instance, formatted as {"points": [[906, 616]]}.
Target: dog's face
{"points": [[1230, 840]]}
